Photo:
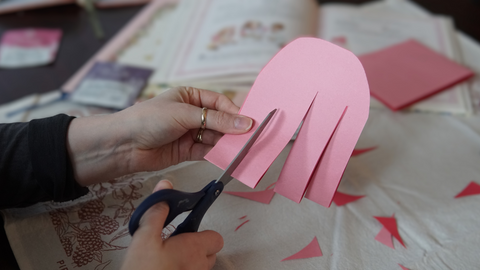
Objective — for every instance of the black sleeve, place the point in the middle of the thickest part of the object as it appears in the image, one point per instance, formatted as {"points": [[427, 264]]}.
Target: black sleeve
{"points": [[34, 163]]}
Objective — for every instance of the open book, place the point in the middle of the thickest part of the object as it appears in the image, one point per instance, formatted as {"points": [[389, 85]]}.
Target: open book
{"points": [[223, 44]]}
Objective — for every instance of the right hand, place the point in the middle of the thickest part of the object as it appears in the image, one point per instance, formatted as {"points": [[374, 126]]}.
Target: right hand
{"points": [[181, 252]]}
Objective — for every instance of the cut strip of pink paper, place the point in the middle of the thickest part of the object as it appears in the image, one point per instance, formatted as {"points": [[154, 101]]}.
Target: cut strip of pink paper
{"points": [[406, 73], [403, 267], [342, 198], [391, 225], [236, 229], [358, 152], [385, 237], [310, 251], [264, 196], [471, 189]]}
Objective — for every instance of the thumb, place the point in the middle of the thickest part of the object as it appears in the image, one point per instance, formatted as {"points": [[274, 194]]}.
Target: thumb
{"points": [[154, 219]]}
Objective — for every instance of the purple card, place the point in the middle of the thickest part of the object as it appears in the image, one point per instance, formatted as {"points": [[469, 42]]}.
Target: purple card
{"points": [[111, 85]]}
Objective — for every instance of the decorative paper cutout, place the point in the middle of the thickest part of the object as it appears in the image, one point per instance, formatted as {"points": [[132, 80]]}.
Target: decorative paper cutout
{"points": [[264, 196], [472, 189], [342, 198], [308, 75], [358, 152], [408, 72], [403, 267], [242, 224], [385, 237], [310, 251], [391, 225]]}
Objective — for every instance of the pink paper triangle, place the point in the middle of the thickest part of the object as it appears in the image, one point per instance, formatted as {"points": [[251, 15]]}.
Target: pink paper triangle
{"points": [[403, 267], [391, 225], [341, 198], [264, 196], [357, 152], [385, 237], [310, 251], [472, 189]]}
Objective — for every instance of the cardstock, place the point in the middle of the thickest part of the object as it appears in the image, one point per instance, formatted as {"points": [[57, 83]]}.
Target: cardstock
{"points": [[403, 267], [29, 47], [391, 225], [385, 237], [111, 85], [406, 73], [310, 251], [357, 152], [472, 189], [308, 75], [342, 198], [264, 196]]}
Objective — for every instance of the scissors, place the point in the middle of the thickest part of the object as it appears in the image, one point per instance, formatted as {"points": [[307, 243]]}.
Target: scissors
{"points": [[199, 202]]}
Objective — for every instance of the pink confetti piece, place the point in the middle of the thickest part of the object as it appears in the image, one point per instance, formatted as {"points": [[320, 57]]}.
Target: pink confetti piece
{"points": [[472, 189], [385, 237], [243, 217], [242, 224], [357, 152], [342, 198], [310, 251], [403, 267], [391, 225]]}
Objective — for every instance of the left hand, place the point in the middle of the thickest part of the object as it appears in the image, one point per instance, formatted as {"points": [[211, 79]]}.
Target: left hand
{"points": [[151, 135]]}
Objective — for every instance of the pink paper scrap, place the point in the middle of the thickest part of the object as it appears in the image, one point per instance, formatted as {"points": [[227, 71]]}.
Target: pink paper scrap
{"points": [[29, 47], [391, 225], [406, 73], [264, 196], [385, 237], [403, 267], [236, 229], [472, 189], [357, 152], [342, 198], [310, 251], [323, 85]]}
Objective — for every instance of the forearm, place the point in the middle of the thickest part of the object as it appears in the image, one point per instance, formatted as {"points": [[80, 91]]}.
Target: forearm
{"points": [[99, 148]]}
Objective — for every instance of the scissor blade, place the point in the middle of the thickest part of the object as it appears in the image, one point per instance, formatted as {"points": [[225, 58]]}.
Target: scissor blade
{"points": [[226, 176]]}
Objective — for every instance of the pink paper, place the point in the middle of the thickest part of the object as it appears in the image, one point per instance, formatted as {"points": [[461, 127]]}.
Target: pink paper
{"points": [[264, 196], [391, 225], [358, 152], [408, 72], [472, 189], [385, 237], [403, 267], [342, 198], [310, 251], [236, 229], [308, 75]]}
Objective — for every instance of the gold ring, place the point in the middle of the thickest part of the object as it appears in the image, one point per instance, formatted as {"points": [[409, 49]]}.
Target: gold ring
{"points": [[204, 118], [199, 138]]}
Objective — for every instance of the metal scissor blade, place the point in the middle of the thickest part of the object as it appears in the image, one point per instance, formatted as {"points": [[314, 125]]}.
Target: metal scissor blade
{"points": [[226, 176]]}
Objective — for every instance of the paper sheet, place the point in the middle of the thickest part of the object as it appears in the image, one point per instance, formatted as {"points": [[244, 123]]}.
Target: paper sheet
{"points": [[290, 82], [310, 251], [264, 196]]}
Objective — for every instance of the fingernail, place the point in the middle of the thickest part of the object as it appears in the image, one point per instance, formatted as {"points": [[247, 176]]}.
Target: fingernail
{"points": [[243, 123], [164, 184]]}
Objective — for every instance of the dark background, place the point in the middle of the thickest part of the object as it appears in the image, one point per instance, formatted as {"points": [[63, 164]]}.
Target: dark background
{"points": [[79, 44]]}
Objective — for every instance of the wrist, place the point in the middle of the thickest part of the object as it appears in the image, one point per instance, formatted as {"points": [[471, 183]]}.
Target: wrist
{"points": [[99, 148]]}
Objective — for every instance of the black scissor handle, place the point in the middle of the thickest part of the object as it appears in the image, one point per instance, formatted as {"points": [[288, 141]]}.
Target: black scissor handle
{"points": [[179, 202]]}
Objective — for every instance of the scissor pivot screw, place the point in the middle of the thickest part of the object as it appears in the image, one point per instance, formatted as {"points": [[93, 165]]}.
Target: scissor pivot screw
{"points": [[217, 192]]}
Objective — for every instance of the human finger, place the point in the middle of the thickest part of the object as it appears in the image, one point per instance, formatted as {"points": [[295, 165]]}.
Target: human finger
{"points": [[209, 99], [211, 259], [211, 241], [154, 219], [207, 136]]}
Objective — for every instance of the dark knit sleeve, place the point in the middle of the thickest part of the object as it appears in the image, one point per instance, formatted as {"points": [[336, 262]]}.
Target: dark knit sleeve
{"points": [[34, 163]]}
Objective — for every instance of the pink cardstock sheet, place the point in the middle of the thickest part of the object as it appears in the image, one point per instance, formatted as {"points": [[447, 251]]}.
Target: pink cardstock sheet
{"points": [[325, 86], [264, 196], [406, 73]]}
